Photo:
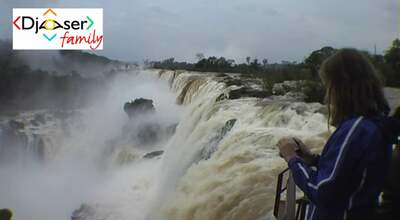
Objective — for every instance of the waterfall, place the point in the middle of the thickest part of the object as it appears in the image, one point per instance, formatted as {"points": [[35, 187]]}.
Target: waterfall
{"points": [[220, 163], [237, 181]]}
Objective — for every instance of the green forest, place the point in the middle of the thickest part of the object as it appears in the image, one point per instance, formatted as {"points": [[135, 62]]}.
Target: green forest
{"points": [[388, 64]]}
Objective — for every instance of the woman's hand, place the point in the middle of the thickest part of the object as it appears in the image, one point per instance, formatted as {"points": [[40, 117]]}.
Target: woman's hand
{"points": [[306, 154], [287, 148]]}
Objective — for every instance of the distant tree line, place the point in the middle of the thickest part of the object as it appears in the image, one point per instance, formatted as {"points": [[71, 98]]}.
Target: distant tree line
{"points": [[218, 64], [388, 64]]}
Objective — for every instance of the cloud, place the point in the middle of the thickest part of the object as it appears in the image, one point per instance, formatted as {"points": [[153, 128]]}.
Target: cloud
{"points": [[274, 29]]}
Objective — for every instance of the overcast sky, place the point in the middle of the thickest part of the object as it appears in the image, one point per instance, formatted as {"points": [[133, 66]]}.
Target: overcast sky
{"points": [[275, 29]]}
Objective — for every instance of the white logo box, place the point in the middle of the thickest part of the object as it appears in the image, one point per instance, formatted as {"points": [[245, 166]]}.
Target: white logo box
{"points": [[82, 29]]}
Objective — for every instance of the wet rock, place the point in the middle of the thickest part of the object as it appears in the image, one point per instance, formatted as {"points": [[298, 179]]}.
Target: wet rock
{"points": [[301, 90], [85, 212], [221, 75], [139, 106], [221, 97], [148, 134], [144, 131], [247, 92], [153, 154], [230, 81], [227, 127], [243, 92], [286, 87], [151, 132], [16, 125], [211, 147]]}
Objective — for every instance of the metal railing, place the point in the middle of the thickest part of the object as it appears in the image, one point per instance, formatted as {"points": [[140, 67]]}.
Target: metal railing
{"points": [[291, 208]]}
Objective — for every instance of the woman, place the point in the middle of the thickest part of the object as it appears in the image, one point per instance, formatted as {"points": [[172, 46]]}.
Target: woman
{"points": [[350, 172]]}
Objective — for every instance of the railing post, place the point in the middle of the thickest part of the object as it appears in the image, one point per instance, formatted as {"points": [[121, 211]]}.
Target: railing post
{"points": [[290, 199], [290, 208]]}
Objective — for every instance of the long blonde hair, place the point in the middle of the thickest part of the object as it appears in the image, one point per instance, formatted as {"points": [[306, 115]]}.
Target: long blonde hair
{"points": [[353, 86]]}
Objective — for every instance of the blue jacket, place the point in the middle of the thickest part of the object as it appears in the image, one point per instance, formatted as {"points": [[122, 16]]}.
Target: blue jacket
{"points": [[349, 174]]}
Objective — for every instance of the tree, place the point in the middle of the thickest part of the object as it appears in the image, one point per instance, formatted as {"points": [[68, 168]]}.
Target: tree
{"points": [[248, 60], [199, 56], [231, 62], [314, 61], [169, 61], [392, 56], [255, 65], [265, 62]]}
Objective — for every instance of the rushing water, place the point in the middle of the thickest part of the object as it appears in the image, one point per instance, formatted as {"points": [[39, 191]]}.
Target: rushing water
{"points": [[220, 163], [238, 180]]}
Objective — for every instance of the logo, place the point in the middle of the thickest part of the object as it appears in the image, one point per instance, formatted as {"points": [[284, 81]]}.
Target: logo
{"points": [[58, 29]]}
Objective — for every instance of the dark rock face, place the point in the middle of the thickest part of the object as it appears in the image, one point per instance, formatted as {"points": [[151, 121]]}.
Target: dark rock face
{"points": [[139, 106], [247, 92], [221, 75], [153, 154], [230, 81], [211, 147], [15, 125], [145, 132], [244, 92], [302, 90], [148, 134], [241, 87], [85, 212]]}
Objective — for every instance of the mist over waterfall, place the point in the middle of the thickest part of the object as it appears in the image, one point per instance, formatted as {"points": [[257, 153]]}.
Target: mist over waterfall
{"points": [[219, 160], [53, 161]]}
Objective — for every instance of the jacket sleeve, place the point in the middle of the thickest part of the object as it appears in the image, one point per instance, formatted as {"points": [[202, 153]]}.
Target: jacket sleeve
{"points": [[340, 168], [304, 176]]}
